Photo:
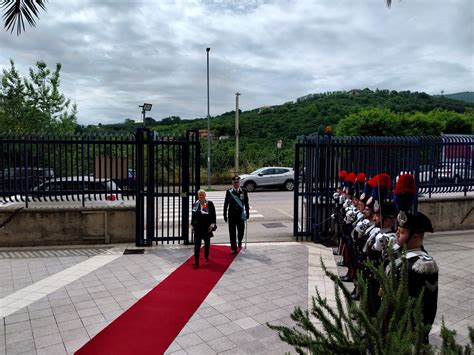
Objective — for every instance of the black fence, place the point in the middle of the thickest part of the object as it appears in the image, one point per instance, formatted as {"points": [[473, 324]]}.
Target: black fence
{"points": [[66, 168], [443, 164], [156, 174]]}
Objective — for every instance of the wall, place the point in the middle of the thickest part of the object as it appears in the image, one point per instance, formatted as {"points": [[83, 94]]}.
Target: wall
{"points": [[53, 226], [452, 213]]}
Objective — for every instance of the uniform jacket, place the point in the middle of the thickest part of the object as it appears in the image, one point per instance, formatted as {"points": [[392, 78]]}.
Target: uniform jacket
{"points": [[422, 274], [202, 217], [231, 208]]}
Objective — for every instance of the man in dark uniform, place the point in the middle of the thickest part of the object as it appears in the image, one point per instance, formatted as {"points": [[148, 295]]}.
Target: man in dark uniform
{"points": [[236, 212], [422, 269]]}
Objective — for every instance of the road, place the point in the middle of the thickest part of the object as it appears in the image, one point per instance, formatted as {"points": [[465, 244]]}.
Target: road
{"points": [[271, 216]]}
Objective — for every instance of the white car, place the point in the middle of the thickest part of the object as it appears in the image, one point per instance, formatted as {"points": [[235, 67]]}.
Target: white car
{"points": [[72, 191], [270, 176], [425, 174]]}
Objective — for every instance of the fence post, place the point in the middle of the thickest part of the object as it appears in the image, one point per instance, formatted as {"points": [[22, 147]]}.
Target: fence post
{"points": [[150, 188], [139, 209]]}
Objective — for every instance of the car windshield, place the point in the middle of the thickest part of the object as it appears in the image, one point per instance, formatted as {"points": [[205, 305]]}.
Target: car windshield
{"points": [[258, 171]]}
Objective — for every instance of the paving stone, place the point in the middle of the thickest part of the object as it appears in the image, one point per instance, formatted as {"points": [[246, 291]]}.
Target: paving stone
{"points": [[39, 322], [188, 340], [221, 344], [84, 305], [229, 328], [47, 340], [41, 313], [174, 347], [24, 346], [201, 349], [210, 334], [74, 334], [57, 349], [95, 328], [15, 318], [247, 323], [74, 345], [89, 312], [70, 324], [45, 330], [97, 318], [218, 320], [62, 317], [18, 327], [199, 324]]}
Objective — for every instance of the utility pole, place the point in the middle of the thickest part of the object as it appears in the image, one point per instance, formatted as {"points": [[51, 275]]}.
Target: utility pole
{"points": [[237, 132], [208, 128]]}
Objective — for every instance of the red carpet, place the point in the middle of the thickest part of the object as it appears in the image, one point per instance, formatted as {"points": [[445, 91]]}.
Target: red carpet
{"points": [[151, 324]]}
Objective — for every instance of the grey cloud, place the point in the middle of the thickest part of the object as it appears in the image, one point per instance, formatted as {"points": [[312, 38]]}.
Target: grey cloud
{"points": [[118, 54]]}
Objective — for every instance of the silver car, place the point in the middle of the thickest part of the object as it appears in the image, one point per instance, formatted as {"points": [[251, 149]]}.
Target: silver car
{"points": [[270, 176]]}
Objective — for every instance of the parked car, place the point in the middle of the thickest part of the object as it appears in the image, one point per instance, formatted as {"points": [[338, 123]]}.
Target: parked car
{"points": [[19, 179], [75, 190], [130, 183], [271, 176], [426, 173], [454, 171]]}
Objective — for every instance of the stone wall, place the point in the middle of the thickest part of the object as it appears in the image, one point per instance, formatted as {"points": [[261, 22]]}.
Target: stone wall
{"points": [[67, 226], [449, 213]]}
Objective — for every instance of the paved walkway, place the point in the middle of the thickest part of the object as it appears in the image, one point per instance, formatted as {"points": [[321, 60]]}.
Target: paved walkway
{"points": [[53, 300]]}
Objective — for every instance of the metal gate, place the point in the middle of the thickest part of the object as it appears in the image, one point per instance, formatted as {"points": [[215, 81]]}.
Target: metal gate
{"points": [[168, 177], [439, 164]]}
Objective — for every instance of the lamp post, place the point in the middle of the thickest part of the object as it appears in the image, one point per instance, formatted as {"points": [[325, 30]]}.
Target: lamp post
{"points": [[237, 133], [145, 107], [279, 145], [208, 127]]}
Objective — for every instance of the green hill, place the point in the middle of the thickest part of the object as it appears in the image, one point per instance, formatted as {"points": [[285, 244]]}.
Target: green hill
{"points": [[467, 96], [373, 113]]}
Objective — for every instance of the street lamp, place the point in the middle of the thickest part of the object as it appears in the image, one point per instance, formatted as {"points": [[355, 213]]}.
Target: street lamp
{"points": [[279, 145], [145, 107], [237, 132], [208, 127]]}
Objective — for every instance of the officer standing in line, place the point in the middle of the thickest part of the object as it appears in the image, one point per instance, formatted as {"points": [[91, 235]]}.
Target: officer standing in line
{"points": [[384, 218], [236, 212], [422, 268]]}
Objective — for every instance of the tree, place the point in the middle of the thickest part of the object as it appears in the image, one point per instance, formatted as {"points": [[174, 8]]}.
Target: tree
{"points": [[17, 11], [35, 104]]}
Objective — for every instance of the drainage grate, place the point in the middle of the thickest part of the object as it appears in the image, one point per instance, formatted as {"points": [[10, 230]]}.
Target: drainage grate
{"points": [[134, 251], [273, 225]]}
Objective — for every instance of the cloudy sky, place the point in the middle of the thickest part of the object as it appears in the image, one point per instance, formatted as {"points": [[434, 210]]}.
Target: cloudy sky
{"points": [[116, 55]]}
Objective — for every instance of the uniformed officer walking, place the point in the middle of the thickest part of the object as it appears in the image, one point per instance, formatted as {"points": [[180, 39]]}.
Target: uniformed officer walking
{"points": [[236, 212]]}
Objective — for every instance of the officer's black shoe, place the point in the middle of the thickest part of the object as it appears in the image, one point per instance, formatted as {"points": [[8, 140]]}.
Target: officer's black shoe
{"points": [[195, 266], [233, 252], [341, 263], [240, 244]]}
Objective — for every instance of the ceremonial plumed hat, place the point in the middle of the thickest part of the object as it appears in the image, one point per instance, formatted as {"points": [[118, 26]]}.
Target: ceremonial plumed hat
{"points": [[417, 222]]}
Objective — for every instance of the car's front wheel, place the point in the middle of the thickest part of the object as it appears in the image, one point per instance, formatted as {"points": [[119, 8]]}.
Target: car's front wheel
{"points": [[289, 185], [250, 186]]}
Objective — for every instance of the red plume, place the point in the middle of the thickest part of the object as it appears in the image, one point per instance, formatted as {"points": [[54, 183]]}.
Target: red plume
{"points": [[351, 177], [405, 184], [360, 177], [373, 181], [384, 181], [342, 175]]}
